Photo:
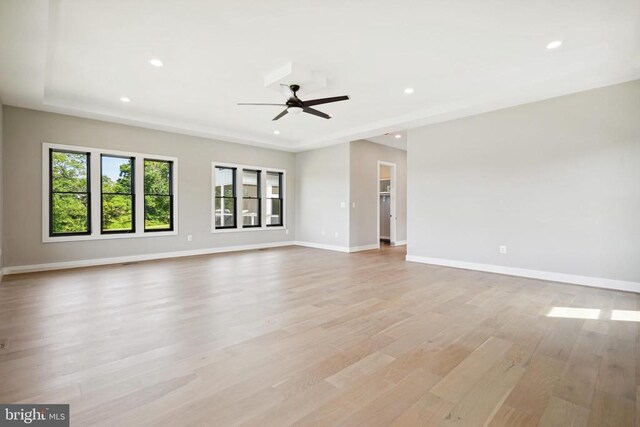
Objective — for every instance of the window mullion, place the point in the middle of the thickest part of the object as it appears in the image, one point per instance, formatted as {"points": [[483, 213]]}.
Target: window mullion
{"points": [[282, 196], [263, 198], [96, 196], [138, 190], [213, 197], [239, 197]]}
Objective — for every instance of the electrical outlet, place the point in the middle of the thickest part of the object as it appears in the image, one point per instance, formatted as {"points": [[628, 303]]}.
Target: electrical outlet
{"points": [[343, 204], [189, 238], [353, 205], [286, 231], [335, 234], [503, 249]]}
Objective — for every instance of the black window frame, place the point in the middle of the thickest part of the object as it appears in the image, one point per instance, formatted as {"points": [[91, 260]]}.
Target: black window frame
{"points": [[258, 197], [280, 197], [170, 195], [132, 159], [234, 184], [87, 154]]}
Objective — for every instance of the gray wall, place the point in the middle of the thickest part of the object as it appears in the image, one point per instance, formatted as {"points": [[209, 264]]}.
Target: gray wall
{"points": [[322, 185], [26, 130], [557, 182], [1, 186], [365, 191]]}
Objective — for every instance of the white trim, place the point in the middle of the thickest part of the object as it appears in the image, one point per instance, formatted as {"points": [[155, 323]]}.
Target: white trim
{"points": [[323, 246], [466, 108], [385, 237], [344, 249], [95, 179], [364, 247], [399, 243], [136, 258], [164, 255], [596, 282], [492, 101], [263, 198], [242, 230]]}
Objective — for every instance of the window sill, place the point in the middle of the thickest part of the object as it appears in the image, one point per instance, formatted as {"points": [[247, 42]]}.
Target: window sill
{"points": [[242, 230], [98, 236]]}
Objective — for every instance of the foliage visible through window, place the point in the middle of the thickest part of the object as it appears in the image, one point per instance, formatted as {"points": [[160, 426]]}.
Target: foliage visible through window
{"points": [[251, 198], [225, 197], [69, 198], [158, 195], [118, 200], [274, 199]]}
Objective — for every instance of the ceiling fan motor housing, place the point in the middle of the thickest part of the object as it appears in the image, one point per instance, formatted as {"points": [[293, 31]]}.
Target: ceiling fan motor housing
{"points": [[294, 101]]}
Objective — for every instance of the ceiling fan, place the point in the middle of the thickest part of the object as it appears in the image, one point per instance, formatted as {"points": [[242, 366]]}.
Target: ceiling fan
{"points": [[296, 106]]}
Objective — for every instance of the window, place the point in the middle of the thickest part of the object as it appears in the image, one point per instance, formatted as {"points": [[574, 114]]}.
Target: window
{"points": [[251, 198], [69, 193], [93, 193], [225, 197], [158, 195], [118, 196], [246, 198], [274, 199]]}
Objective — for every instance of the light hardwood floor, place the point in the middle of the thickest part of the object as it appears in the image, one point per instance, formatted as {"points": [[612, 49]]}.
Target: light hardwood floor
{"points": [[299, 336]]}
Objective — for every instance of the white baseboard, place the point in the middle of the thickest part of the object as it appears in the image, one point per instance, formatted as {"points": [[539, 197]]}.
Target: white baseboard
{"points": [[32, 268], [364, 247], [400, 243], [385, 237], [135, 258], [323, 246], [339, 248], [595, 282]]}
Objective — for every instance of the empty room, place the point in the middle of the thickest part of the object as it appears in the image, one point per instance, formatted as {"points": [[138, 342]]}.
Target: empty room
{"points": [[319, 213]]}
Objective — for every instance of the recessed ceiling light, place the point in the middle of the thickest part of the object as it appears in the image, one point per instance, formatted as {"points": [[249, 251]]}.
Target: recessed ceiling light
{"points": [[125, 99], [277, 132], [398, 136], [156, 63], [408, 90], [554, 44]]}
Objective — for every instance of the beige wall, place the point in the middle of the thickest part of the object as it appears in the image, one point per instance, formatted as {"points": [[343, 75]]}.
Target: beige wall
{"points": [[557, 182], [322, 197], [26, 130], [363, 220]]}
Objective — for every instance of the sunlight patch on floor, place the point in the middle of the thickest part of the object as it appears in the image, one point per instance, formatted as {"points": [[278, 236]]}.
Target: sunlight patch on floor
{"points": [[574, 313], [593, 313], [625, 315]]}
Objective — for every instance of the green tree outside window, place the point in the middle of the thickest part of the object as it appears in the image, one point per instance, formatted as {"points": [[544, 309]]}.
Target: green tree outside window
{"points": [[69, 193], [158, 198]]}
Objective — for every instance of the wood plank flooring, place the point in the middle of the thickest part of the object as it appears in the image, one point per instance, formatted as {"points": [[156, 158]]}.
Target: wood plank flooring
{"points": [[306, 337]]}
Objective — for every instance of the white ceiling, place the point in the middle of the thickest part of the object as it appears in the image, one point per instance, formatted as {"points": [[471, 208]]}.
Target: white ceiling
{"points": [[462, 57], [392, 140]]}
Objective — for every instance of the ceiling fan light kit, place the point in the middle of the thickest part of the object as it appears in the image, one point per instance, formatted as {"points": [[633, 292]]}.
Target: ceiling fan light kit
{"points": [[295, 105]]}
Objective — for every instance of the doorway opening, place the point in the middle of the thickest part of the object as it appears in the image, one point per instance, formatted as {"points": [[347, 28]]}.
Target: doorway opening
{"points": [[386, 203]]}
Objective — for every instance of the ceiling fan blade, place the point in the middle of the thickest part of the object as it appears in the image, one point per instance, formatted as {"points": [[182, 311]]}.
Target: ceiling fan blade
{"points": [[254, 103], [319, 101], [316, 112], [280, 115]]}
